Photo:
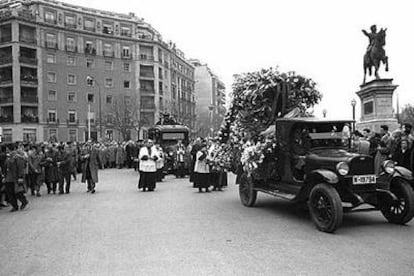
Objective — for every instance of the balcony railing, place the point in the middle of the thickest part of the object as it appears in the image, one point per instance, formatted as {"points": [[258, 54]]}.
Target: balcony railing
{"points": [[49, 121], [5, 38], [6, 80], [28, 60], [146, 75], [29, 99], [51, 21], [75, 122], [72, 49], [6, 118], [108, 53], [124, 33], [146, 57], [30, 119], [70, 25], [89, 29], [51, 45], [6, 99], [6, 59], [126, 56], [147, 90], [90, 51], [92, 121], [28, 40], [108, 31], [29, 79]]}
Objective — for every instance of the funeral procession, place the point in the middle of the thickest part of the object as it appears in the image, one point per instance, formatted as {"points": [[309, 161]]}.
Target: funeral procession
{"points": [[284, 144]]}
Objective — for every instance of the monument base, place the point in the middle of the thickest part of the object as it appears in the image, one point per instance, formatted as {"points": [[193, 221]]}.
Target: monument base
{"points": [[376, 105]]}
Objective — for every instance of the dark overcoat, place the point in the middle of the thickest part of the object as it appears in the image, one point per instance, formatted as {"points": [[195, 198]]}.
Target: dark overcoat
{"points": [[90, 158]]}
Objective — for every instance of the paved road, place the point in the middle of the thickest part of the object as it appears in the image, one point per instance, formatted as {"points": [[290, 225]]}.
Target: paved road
{"points": [[178, 231]]}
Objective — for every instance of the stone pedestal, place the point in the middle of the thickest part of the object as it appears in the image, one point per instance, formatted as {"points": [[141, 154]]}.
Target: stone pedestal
{"points": [[376, 105]]}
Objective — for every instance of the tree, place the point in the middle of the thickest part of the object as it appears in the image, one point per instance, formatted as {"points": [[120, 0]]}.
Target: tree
{"points": [[124, 114], [407, 114]]}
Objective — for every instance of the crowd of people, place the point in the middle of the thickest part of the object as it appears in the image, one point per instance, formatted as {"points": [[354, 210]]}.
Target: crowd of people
{"points": [[26, 167], [386, 145]]}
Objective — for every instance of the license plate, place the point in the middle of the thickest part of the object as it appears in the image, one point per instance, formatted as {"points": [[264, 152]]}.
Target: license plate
{"points": [[364, 179]]}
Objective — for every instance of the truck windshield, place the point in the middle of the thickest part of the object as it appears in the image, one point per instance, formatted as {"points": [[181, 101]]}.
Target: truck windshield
{"points": [[323, 135]]}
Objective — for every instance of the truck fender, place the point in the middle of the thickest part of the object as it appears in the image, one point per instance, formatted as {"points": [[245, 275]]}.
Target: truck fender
{"points": [[323, 175], [403, 173]]}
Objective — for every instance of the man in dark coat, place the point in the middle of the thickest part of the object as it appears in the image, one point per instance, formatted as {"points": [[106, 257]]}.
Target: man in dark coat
{"points": [[90, 166], [51, 170], [14, 179], [402, 155], [35, 170], [64, 164]]}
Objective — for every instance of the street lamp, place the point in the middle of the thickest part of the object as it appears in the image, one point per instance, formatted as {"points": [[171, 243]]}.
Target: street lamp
{"points": [[92, 79], [353, 104]]}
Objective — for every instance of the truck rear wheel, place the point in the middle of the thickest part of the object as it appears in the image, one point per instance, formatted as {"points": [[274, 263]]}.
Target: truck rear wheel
{"points": [[247, 194], [402, 210], [325, 207]]}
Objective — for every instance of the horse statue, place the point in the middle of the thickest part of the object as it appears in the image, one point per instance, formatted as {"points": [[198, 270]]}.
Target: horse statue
{"points": [[375, 53]]}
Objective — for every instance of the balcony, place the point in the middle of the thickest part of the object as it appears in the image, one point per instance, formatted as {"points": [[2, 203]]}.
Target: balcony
{"points": [[108, 54], [52, 45], [108, 31], [72, 123], [31, 119], [5, 38], [147, 90], [28, 79], [146, 57], [50, 121], [51, 21], [6, 80], [126, 33], [90, 51], [28, 60], [71, 49], [89, 29], [70, 25], [6, 99], [92, 122], [6, 118], [28, 40], [126, 56], [6, 59], [149, 75], [28, 99]]}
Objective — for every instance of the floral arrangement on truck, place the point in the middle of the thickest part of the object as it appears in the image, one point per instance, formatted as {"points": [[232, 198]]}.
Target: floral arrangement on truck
{"points": [[258, 98]]}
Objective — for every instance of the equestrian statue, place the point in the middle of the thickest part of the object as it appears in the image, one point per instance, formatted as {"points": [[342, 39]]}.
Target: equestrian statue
{"points": [[375, 53]]}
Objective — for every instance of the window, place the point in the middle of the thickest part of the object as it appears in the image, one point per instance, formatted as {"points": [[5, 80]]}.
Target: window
{"points": [[109, 99], [53, 134], [109, 65], [89, 49], [51, 41], [50, 17], [70, 21], [109, 82], [127, 67], [90, 63], [51, 77], [52, 96], [73, 135], [72, 116], [7, 135], [125, 52], [107, 28], [70, 44], [127, 84], [71, 96], [29, 135], [89, 81], [51, 58], [51, 116], [90, 98], [71, 60], [109, 134], [89, 24], [107, 50], [125, 31], [71, 79]]}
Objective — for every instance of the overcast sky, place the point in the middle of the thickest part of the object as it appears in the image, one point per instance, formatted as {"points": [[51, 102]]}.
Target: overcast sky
{"points": [[319, 39]]}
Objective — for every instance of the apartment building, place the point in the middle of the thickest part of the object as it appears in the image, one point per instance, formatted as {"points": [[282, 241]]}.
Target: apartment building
{"points": [[210, 98], [67, 72]]}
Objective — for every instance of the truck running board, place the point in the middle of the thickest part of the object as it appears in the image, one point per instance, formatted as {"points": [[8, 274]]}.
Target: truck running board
{"points": [[278, 193]]}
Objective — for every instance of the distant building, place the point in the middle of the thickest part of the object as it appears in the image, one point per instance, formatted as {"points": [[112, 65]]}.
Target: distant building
{"points": [[210, 100], [57, 60]]}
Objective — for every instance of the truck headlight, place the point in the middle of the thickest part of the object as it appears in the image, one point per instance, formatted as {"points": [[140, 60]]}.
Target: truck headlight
{"points": [[342, 168], [388, 166]]}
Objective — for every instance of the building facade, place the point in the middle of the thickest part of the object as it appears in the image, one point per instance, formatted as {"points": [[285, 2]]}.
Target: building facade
{"points": [[210, 98], [68, 73]]}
